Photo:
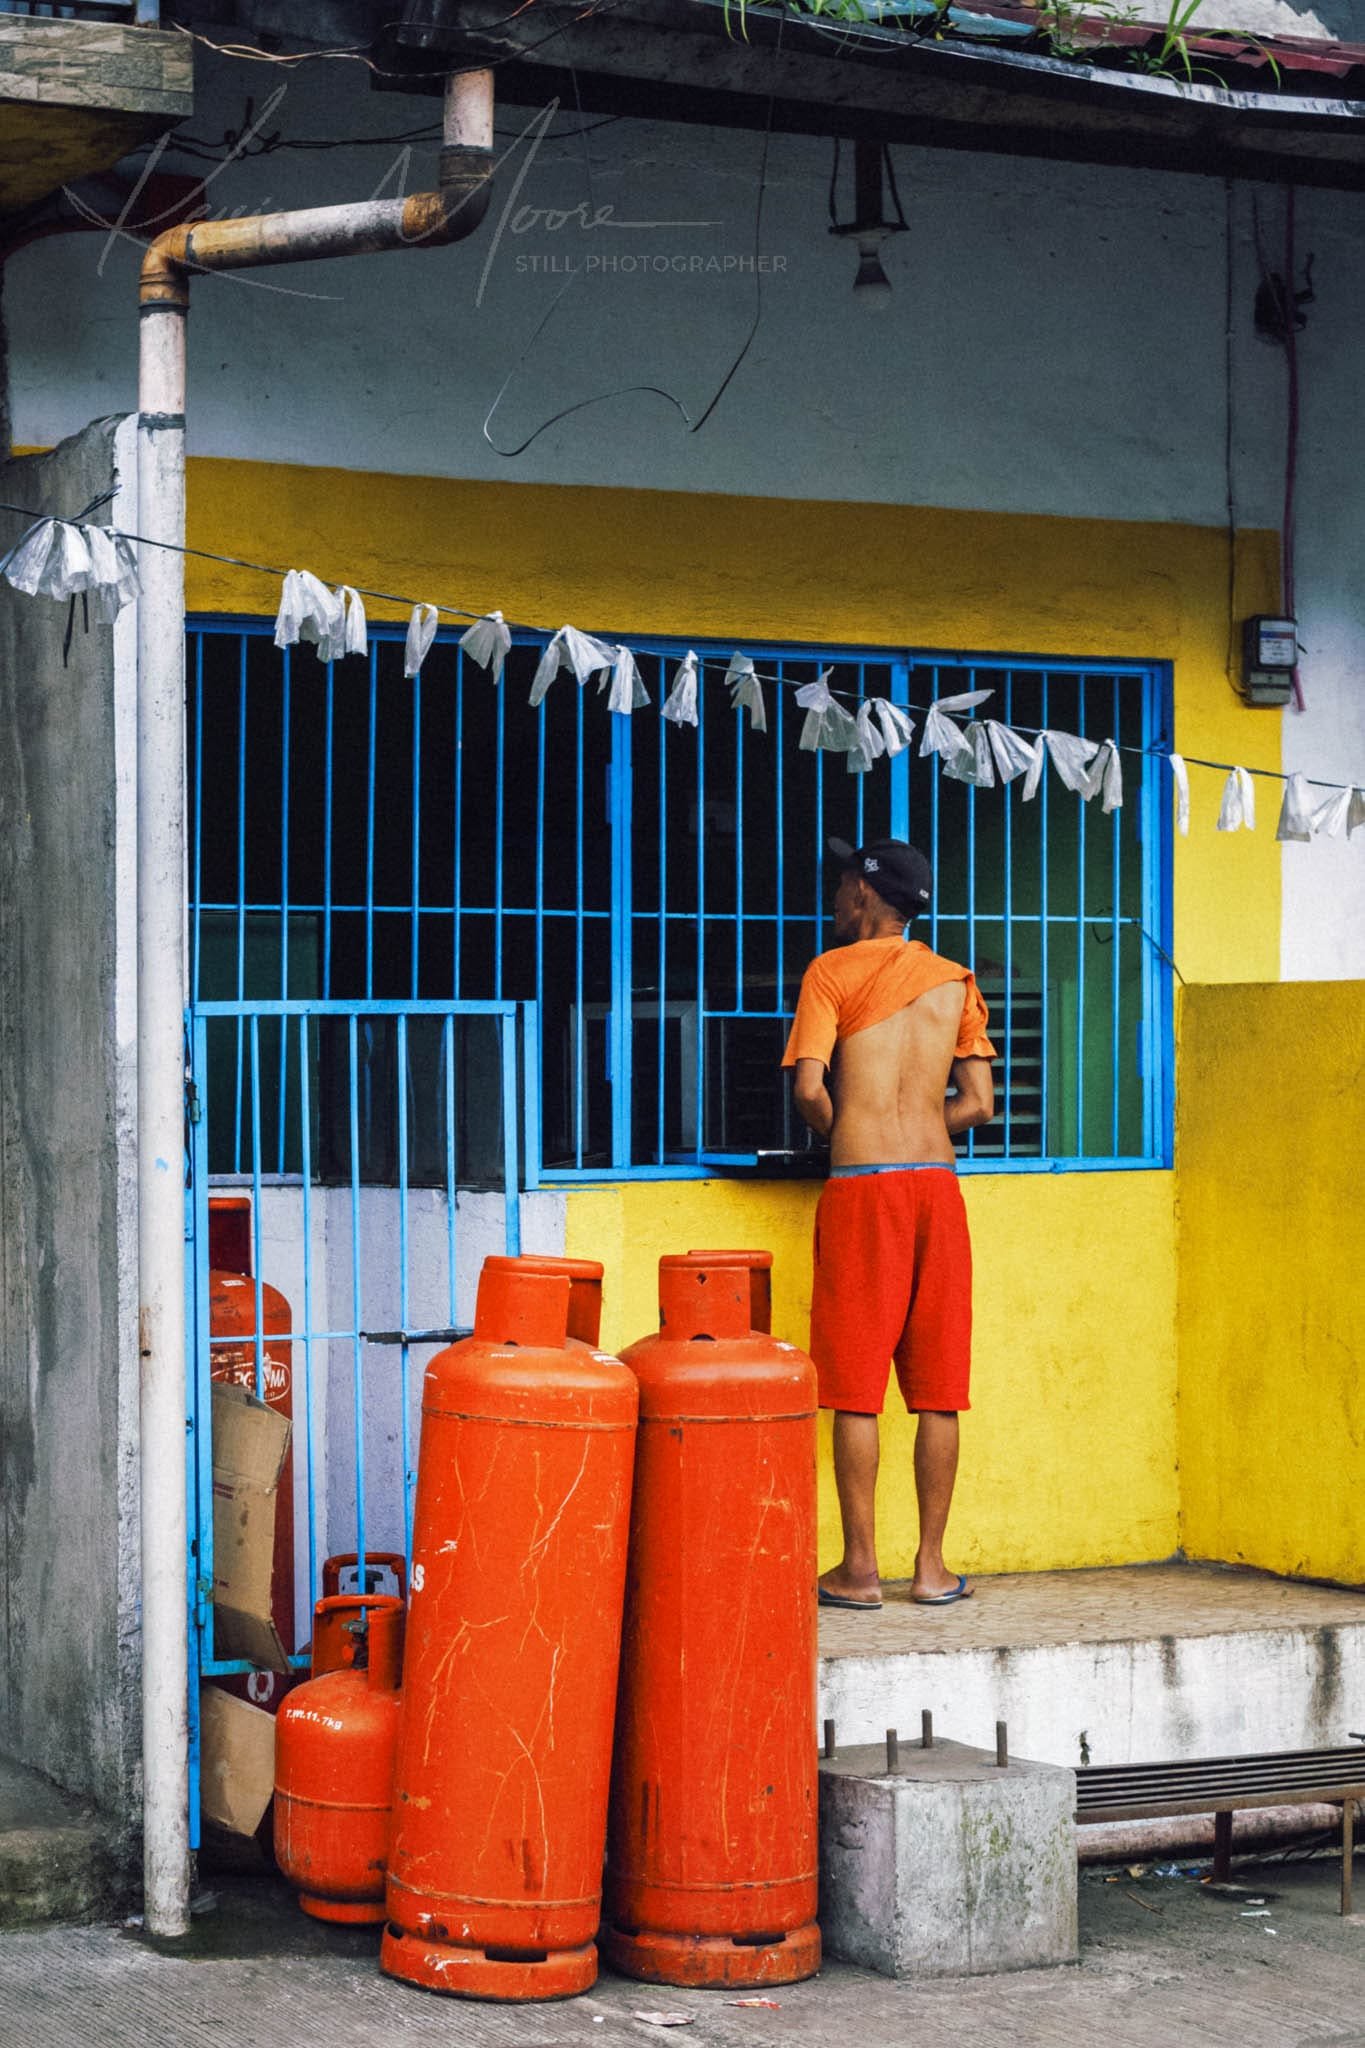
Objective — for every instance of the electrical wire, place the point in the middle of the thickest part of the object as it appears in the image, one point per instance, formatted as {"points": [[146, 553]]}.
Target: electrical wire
{"points": [[650, 390]]}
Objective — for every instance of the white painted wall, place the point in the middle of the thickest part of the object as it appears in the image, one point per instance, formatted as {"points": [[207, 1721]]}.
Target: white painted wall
{"points": [[1055, 343]]}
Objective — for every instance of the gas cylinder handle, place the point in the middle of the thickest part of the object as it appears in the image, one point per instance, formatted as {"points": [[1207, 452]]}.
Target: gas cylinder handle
{"points": [[334, 1566]]}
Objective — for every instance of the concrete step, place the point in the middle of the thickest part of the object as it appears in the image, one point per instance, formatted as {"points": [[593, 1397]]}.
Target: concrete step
{"points": [[1121, 1665], [56, 1861]]}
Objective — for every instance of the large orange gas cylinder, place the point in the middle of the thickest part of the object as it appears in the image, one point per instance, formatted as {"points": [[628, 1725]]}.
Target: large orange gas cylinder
{"points": [[518, 1573], [335, 1738], [711, 1859]]}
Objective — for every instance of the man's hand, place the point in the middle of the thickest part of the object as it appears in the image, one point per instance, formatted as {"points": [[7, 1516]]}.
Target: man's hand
{"points": [[973, 1101], [810, 1092]]}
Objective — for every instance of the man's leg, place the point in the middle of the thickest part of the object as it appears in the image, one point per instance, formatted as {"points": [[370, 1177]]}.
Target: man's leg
{"points": [[935, 1472], [856, 1453]]}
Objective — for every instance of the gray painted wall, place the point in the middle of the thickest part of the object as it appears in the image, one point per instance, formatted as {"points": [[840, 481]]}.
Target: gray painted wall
{"points": [[68, 1315]]}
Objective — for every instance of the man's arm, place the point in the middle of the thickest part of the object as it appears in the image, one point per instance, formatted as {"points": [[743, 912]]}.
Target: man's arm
{"points": [[810, 1091], [972, 1103]]}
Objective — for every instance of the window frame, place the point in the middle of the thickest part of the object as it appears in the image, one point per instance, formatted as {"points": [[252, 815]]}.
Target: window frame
{"points": [[1150, 795]]}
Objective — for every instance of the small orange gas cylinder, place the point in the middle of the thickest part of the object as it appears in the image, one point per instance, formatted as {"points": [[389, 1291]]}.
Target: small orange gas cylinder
{"points": [[759, 1266], [711, 1857], [518, 1573], [335, 1738]]}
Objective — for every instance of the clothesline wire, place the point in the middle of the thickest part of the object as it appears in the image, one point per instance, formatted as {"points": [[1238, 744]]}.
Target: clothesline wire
{"points": [[643, 644]]}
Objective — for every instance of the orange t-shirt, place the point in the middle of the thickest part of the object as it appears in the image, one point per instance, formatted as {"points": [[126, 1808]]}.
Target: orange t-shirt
{"points": [[853, 987]]}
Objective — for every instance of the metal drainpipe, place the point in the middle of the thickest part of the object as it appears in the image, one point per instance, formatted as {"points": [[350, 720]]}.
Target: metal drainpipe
{"points": [[423, 220]]}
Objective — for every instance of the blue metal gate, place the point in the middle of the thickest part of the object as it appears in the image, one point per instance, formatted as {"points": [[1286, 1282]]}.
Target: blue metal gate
{"points": [[377, 1149]]}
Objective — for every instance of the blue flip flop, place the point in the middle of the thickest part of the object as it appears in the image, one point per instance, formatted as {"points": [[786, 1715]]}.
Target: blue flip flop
{"points": [[961, 1591], [824, 1598]]}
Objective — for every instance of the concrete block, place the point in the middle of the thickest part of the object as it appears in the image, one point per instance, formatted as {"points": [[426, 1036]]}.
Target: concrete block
{"points": [[948, 1865]]}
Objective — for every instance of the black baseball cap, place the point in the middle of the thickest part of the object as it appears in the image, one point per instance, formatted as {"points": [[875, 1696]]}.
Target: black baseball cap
{"points": [[899, 873]]}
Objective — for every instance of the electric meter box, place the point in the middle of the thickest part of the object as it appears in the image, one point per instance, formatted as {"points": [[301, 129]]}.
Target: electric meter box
{"points": [[1270, 653]]}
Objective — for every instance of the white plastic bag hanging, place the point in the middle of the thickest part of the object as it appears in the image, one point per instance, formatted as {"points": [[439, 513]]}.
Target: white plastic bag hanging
{"points": [[421, 632], [977, 765], [680, 705], [870, 744], [897, 726], [1013, 754], [1329, 819], [1182, 792], [52, 560], [628, 692], [349, 632], [114, 577], [826, 726], [580, 653], [746, 691], [1071, 756], [486, 642], [942, 736], [308, 613], [1105, 773], [1296, 811], [1355, 811], [1238, 807]]}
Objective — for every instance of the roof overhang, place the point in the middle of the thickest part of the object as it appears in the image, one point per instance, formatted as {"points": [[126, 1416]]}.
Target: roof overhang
{"points": [[687, 60]]}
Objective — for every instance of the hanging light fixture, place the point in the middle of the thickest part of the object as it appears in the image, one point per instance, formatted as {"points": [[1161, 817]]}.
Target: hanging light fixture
{"points": [[871, 286]]}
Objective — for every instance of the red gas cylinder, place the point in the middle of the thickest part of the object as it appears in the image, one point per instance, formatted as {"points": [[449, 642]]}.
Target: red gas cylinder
{"points": [[518, 1574], [335, 1738], [711, 1858], [232, 1357], [759, 1266]]}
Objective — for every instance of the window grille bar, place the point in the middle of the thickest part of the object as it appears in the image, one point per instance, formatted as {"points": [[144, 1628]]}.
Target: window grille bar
{"points": [[197, 872], [659, 1147], [285, 695], [306, 1170], [499, 826], [740, 720], [458, 827], [580, 1058], [1081, 818], [369, 822], [511, 1190], [1007, 826], [620, 1032], [241, 893], [540, 849], [404, 1257], [699, 1019], [257, 1284], [416, 847], [328, 745], [357, 1314], [448, 1063], [1045, 1068], [1115, 937], [971, 879]]}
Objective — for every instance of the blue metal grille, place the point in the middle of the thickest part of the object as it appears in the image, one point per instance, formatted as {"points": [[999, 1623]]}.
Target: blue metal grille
{"points": [[657, 892]]}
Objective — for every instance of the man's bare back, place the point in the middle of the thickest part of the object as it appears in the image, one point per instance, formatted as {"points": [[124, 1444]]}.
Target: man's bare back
{"points": [[889, 1083]]}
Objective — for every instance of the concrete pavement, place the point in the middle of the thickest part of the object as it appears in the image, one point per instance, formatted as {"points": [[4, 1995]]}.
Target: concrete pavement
{"points": [[1164, 1964]]}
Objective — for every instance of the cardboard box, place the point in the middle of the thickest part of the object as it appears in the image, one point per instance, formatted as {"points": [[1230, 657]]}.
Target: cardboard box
{"points": [[249, 1445], [236, 1761]]}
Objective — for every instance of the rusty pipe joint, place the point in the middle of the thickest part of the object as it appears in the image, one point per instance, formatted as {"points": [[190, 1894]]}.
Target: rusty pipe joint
{"points": [[310, 234]]}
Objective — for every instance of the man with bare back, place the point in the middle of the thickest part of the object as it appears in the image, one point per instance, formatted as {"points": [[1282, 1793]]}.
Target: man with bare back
{"points": [[882, 1030]]}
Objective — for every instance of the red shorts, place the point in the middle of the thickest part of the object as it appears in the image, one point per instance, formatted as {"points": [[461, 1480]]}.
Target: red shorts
{"points": [[893, 1279]]}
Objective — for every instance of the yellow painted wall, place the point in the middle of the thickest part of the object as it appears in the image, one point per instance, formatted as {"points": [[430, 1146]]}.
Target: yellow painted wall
{"points": [[900, 575], [1069, 1453], [1271, 1236]]}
